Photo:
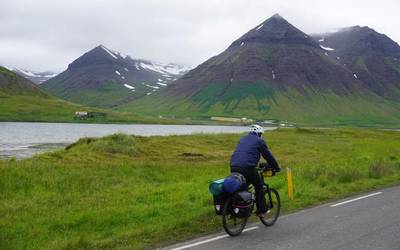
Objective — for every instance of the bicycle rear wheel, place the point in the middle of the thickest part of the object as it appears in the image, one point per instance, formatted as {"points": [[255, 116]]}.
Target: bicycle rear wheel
{"points": [[274, 208], [233, 225]]}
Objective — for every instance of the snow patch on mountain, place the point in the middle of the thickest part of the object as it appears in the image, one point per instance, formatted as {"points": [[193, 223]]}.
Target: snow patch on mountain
{"points": [[109, 52], [36, 77], [326, 48], [129, 86], [165, 69], [151, 86]]}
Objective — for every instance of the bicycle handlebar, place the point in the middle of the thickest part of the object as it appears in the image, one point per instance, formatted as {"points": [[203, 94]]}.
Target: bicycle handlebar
{"points": [[264, 167]]}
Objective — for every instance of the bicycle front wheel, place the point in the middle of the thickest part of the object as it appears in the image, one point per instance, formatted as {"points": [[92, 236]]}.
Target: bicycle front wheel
{"points": [[232, 224], [274, 208]]}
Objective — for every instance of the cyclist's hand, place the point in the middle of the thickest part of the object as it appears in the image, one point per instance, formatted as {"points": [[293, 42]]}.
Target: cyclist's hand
{"points": [[264, 165]]}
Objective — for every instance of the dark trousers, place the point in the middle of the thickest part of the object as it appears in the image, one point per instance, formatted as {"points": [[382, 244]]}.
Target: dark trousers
{"points": [[254, 178]]}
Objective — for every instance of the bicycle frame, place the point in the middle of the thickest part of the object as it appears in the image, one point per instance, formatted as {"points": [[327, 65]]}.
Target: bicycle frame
{"points": [[251, 190], [268, 190]]}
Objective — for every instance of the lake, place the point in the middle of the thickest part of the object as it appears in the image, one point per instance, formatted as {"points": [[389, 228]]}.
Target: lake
{"points": [[24, 139]]}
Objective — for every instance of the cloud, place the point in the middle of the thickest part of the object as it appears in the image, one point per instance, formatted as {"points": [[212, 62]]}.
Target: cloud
{"points": [[47, 34]]}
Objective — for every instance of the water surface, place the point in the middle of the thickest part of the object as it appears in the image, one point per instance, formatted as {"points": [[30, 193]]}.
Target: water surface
{"points": [[23, 139]]}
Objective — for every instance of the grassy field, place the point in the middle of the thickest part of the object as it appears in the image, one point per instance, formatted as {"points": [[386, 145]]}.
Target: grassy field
{"points": [[48, 109], [129, 192], [33, 108]]}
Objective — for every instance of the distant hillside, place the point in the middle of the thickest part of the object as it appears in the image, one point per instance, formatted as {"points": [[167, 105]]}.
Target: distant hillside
{"points": [[276, 71], [22, 100], [104, 78]]}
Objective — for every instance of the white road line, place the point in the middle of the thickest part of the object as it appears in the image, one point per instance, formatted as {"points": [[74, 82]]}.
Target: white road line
{"points": [[210, 240], [250, 228], [355, 199]]}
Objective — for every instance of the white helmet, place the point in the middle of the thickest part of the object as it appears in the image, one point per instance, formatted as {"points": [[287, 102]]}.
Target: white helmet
{"points": [[256, 129]]}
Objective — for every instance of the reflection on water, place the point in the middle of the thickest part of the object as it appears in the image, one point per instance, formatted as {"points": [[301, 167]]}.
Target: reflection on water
{"points": [[22, 150], [23, 139]]}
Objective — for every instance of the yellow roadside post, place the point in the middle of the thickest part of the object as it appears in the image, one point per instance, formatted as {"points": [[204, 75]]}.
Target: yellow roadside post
{"points": [[290, 183]]}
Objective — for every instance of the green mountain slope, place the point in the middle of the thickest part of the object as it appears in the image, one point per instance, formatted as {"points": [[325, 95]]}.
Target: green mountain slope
{"points": [[263, 103]]}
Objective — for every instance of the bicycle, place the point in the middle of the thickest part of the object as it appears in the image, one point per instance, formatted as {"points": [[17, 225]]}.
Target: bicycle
{"points": [[234, 225]]}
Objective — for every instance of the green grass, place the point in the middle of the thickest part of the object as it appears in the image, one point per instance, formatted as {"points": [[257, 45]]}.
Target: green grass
{"points": [[130, 192], [233, 97]]}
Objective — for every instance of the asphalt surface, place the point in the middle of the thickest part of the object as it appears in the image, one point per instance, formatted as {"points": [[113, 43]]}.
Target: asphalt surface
{"points": [[365, 221]]}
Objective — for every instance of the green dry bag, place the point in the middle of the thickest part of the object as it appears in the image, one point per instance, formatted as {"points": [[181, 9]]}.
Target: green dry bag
{"points": [[216, 187]]}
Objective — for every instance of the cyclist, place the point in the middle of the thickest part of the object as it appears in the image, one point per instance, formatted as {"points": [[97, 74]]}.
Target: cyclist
{"points": [[245, 159]]}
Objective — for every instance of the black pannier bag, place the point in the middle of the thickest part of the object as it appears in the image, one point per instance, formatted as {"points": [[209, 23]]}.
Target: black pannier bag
{"points": [[241, 204], [219, 202]]}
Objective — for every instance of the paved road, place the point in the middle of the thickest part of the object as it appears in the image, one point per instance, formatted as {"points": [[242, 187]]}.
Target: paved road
{"points": [[366, 221]]}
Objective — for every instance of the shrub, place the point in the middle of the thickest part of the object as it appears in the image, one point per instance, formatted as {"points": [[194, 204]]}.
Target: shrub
{"points": [[117, 143], [380, 169], [113, 144]]}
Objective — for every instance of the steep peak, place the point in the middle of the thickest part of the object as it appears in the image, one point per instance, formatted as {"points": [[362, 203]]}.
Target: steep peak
{"points": [[277, 16], [361, 40], [108, 51], [275, 30], [273, 23], [97, 55]]}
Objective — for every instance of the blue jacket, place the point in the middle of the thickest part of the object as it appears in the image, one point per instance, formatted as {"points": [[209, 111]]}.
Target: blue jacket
{"points": [[248, 151]]}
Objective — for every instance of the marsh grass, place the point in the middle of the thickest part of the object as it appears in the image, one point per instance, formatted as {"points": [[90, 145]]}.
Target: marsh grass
{"points": [[130, 192]]}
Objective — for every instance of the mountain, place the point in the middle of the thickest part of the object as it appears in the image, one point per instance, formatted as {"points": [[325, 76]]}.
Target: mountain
{"points": [[276, 71], [35, 77], [373, 58], [104, 78]]}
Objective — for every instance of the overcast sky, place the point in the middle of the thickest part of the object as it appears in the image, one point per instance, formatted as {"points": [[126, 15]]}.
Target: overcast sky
{"points": [[49, 34]]}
